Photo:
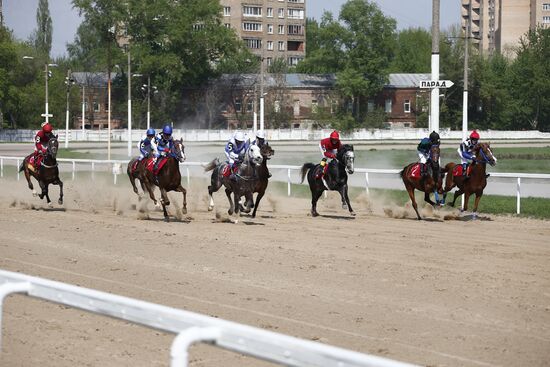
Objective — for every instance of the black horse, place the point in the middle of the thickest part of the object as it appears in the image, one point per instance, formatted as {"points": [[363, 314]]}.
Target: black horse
{"points": [[168, 178], [263, 181], [243, 186], [47, 173], [336, 178]]}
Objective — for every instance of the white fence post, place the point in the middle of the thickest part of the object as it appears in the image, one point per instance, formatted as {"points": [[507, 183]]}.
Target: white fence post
{"points": [[518, 196], [2, 167], [367, 182], [179, 351], [17, 169], [5, 290], [289, 182], [93, 170], [74, 168]]}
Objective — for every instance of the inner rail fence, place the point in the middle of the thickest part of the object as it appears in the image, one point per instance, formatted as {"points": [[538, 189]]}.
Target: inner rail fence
{"points": [[190, 327], [117, 167]]}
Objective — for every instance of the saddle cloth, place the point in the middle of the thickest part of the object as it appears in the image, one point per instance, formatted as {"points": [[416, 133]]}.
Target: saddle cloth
{"points": [[457, 171], [151, 165]]}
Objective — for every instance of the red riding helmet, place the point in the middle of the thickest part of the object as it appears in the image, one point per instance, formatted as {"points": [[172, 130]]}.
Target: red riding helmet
{"points": [[474, 135], [47, 128], [335, 135]]}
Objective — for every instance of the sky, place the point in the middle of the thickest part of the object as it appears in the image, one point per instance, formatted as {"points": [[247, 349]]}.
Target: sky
{"points": [[20, 16]]}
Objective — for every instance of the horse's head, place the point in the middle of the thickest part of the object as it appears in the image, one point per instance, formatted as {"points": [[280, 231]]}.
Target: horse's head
{"points": [[179, 150], [484, 154], [53, 145], [266, 151], [254, 155], [435, 153], [347, 157]]}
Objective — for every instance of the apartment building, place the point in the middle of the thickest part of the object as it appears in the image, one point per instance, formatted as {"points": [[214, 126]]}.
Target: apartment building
{"points": [[497, 25], [271, 29]]}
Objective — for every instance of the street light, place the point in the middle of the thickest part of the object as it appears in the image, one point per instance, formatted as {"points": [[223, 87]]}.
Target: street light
{"points": [[46, 113], [148, 87], [68, 81]]}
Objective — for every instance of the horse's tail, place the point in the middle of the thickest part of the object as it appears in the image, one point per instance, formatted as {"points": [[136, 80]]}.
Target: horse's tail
{"points": [[447, 167], [211, 165], [306, 167], [22, 166]]}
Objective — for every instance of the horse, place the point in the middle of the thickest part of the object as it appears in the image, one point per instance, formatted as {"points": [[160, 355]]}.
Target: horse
{"points": [[136, 173], [47, 172], [263, 179], [168, 177], [431, 183], [243, 186], [477, 180], [336, 178]]}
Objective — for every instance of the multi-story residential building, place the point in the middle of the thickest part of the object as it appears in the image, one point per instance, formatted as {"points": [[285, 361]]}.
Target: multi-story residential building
{"points": [[271, 29], [497, 25]]}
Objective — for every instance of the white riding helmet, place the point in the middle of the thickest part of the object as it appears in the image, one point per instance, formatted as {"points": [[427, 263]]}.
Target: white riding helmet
{"points": [[260, 134], [239, 135]]}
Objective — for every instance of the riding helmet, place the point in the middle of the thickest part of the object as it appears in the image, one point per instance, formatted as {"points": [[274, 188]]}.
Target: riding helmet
{"points": [[167, 129], [260, 134], [335, 135], [47, 128], [474, 135], [150, 132], [239, 136], [434, 137]]}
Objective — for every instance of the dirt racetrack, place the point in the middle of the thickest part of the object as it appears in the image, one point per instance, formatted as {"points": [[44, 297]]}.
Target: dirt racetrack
{"points": [[443, 292]]}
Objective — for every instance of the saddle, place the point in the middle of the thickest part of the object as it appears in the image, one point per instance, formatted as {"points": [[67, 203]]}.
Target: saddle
{"points": [[151, 165], [226, 172], [457, 171], [34, 162]]}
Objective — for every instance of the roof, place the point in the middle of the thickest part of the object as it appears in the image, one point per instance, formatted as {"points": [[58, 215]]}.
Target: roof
{"points": [[406, 80]]}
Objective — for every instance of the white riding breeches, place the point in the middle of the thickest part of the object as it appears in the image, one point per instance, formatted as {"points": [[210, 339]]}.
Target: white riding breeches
{"points": [[423, 157]]}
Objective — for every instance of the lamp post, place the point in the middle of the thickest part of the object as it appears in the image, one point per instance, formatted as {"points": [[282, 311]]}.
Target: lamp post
{"points": [[46, 113], [262, 93], [68, 81], [434, 105], [129, 101]]}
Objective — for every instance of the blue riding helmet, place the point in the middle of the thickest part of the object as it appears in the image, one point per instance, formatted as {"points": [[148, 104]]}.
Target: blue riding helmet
{"points": [[167, 129], [150, 132]]}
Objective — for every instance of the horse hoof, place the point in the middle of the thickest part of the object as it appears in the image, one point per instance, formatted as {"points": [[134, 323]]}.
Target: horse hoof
{"points": [[166, 219], [157, 204], [60, 201], [50, 205], [34, 193], [236, 221], [230, 212], [352, 214], [344, 206], [210, 208], [314, 214], [184, 211]]}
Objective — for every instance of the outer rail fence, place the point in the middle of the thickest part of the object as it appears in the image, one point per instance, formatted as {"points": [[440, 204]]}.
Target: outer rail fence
{"points": [[117, 168], [190, 327]]}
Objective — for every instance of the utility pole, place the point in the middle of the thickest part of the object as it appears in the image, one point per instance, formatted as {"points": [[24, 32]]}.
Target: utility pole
{"points": [[262, 93], [466, 61], [434, 105], [84, 103], [129, 102], [148, 101], [68, 81], [255, 125]]}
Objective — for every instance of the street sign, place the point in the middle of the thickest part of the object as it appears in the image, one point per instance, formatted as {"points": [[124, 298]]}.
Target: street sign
{"points": [[430, 84], [46, 115]]}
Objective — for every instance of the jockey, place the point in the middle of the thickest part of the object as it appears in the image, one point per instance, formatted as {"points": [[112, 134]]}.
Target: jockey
{"points": [[164, 144], [423, 150], [41, 140], [465, 150], [147, 145], [329, 147], [260, 140], [235, 149]]}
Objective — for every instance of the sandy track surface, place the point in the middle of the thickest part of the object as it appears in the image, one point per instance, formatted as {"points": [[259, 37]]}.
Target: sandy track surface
{"points": [[443, 292]]}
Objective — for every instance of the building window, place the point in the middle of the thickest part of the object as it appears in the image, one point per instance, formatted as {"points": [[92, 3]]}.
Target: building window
{"points": [[294, 60], [270, 45], [281, 29], [269, 61], [546, 6], [270, 28], [238, 105], [281, 46], [277, 106], [295, 13], [252, 11], [407, 106], [296, 107], [227, 25], [96, 106], [252, 27], [226, 11], [249, 105], [388, 105], [253, 43], [314, 106], [270, 12], [295, 29], [333, 107], [546, 19], [281, 12]]}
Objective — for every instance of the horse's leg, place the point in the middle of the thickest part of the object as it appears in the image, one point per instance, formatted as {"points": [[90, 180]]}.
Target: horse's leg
{"points": [[258, 198], [236, 199], [60, 183], [165, 202], [315, 195], [184, 192], [231, 207], [44, 187], [466, 199], [457, 194], [150, 191], [410, 191], [133, 182], [428, 199], [28, 177], [346, 197], [476, 203], [215, 185]]}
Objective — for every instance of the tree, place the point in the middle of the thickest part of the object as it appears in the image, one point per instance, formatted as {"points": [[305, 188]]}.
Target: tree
{"points": [[42, 36], [413, 51]]}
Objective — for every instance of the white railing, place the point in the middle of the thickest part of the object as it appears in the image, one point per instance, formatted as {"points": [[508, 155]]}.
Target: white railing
{"points": [[190, 327], [117, 168]]}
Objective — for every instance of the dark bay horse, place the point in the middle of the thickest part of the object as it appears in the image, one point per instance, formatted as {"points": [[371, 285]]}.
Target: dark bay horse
{"points": [[428, 184], [477, 180], [263, 180], [243, 186], [336, 178], [168, 178], [47, 173]]}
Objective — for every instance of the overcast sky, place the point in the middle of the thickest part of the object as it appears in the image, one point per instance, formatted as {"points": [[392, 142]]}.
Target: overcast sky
{"points": [[20, 16]]}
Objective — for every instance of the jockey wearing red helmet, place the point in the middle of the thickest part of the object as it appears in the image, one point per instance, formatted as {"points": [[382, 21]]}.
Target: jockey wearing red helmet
{"points": [[465, 150], [42, 138], [329, 147]]}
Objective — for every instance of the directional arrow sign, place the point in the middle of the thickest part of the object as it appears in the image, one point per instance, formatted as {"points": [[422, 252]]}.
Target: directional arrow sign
{"points": [[430, 84]]}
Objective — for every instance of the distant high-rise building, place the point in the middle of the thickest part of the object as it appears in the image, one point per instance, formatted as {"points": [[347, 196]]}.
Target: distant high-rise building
{"points": [[271, 29], [497, 25], [1, 15]]}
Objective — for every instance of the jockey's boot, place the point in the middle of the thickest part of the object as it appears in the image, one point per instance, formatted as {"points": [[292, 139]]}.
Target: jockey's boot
{"points": [[464, 170], [233, 175], [423, 170]]}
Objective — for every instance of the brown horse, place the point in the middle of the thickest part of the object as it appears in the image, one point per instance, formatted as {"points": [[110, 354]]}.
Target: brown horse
{"points": [[263, 180], [47, 173], [476, 181], [168, 178], [431, 183]]}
